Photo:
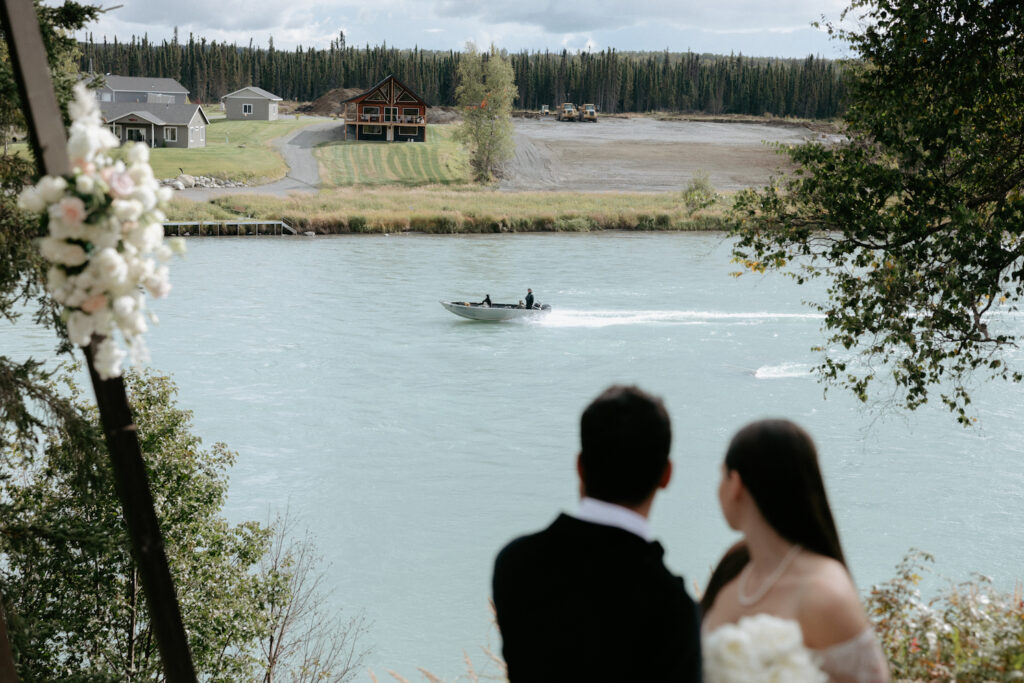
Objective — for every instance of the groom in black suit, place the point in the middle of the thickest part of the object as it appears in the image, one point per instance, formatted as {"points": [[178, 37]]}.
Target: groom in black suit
{"points": [[589, 598]]}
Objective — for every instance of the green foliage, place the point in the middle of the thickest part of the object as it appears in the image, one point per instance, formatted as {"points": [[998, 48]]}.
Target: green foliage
{"points": [[485, 92], [916, 219], [72, 586], [970, 633], [699, 193]]}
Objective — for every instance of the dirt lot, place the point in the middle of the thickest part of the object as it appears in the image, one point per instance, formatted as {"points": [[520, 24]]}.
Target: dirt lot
{"points": [[642, 154]]}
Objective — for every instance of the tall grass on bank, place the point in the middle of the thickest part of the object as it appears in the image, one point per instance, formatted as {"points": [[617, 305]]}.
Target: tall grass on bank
{"points": [[471, 210]]}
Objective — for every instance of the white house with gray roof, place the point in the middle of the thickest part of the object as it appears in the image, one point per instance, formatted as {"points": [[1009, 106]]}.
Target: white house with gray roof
{"points": [[251, 103], [138, 89], [158, 125]]}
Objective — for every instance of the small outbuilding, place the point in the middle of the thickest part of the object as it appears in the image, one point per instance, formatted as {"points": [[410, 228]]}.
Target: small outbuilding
{"points": [[140, 89], [157, 125], [251, 103], [388, 111]]}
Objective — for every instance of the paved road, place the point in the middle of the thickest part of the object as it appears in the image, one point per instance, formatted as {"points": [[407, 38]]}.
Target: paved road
{"points": [[297, 150]]}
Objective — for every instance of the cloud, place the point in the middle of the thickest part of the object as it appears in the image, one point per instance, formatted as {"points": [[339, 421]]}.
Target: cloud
{"points": [[552, 16], [723, 26]]}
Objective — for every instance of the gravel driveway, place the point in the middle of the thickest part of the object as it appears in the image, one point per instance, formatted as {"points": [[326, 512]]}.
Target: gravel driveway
{"points": [[297, 150]]}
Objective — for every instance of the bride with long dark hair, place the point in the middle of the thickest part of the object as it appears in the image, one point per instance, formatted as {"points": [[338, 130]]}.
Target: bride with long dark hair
{"points": [[790, 563]]}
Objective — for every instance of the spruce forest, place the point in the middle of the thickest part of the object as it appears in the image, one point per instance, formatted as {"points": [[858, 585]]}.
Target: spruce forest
{"points": [[614, 81]]}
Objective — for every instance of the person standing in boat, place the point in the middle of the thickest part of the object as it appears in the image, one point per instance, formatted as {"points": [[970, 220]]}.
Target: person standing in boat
{"points": [[487, 301], [529, 298]]}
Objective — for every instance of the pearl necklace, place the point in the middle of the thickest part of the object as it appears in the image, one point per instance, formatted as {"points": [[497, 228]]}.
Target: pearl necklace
{"points": [[748, 600]]}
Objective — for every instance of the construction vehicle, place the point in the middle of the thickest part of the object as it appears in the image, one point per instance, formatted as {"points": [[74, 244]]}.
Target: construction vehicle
{"points": [[588, 113], [567, 112], [544, 110]]}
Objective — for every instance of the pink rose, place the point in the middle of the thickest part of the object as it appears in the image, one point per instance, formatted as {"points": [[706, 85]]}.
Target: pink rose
{"points": [[121, 184], [94, 303], [72, 210]]}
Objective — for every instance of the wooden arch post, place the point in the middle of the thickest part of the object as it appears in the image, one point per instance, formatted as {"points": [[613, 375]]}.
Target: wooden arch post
{"points": [[49, 143]]}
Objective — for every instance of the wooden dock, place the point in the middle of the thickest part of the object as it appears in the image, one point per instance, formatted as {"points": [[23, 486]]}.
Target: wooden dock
{"points": [[227, 228]]}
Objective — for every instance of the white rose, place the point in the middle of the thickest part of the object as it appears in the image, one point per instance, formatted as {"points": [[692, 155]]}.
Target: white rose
{"points": [[80, 328], [146, 237], [85, 183], [108, 359], [164, 194], [126, 209], [142, 174], [61, 252], [124, 305], [146, 197], [108, 267], [132, 324], [159, 284], [137, 154], [56, 279], [84, 103], [51, 188], [31, 200], [177, 245], [103, 238]]}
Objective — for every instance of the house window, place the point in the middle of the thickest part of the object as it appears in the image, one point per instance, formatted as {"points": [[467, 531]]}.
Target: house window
{"points": [[106, 96], [191, 134], [136, 135], [117, 130], [410, 115], [408, 130], [390, 113], [170, 134], [246, 109], [371, 130], [202, 133], [371, 114]]}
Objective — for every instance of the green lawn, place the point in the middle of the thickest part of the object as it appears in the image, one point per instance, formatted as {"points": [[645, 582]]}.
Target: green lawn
{"points": [[239, 150], [438, 161]]}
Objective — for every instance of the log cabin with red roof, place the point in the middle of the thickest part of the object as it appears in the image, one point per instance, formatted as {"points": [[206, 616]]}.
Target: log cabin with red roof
{"points": [[389, 111]]}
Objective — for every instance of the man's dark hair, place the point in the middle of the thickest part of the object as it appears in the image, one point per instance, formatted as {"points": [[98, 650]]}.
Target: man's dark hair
{"points": [[626, 436]]}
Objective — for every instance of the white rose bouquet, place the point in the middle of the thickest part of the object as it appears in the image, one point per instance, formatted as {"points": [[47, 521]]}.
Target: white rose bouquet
{"points": [[759, 649], [106, 238]]}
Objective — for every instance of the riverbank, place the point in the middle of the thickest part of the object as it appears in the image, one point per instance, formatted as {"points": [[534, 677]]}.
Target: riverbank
{"points": [[439, 210]]}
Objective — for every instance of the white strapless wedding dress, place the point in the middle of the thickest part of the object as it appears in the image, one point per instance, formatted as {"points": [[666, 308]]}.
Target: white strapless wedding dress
{"points": [[764, 647]]}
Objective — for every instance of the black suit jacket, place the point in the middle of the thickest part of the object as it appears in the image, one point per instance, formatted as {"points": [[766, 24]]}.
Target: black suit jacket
{"points": [[587, 602]]}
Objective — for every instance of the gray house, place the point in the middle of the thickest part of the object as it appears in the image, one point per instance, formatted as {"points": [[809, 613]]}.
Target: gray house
{"points": [[158, 125], [135, 89], [251, 103]]}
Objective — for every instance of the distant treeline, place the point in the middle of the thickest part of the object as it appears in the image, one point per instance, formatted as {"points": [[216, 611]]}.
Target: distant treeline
{"points": [[615, 81]]}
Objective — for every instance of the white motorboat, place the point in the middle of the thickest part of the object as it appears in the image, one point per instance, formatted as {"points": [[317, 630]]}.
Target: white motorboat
{"points": [[494, 312]]}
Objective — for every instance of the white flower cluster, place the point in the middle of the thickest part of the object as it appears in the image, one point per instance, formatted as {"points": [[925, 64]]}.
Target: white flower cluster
{"points": [[105, 242], [759, 649]]}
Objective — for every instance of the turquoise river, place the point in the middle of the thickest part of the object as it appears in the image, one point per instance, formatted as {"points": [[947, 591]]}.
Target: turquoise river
{"points": [[413, 444]]}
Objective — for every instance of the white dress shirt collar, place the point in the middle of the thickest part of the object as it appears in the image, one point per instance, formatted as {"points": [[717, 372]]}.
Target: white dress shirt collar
{"points": [[609, 514]]}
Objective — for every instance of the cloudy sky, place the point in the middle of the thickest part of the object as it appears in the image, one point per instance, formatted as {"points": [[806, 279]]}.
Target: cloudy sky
{"points": [[778, 28]]}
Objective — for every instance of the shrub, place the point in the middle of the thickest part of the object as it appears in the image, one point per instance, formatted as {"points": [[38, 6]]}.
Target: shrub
{"points": [[699, 193], [969, 633]]}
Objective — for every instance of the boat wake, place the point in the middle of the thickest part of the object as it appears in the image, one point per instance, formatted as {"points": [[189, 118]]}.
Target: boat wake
{"points": [[580, 318], [783, 371]]}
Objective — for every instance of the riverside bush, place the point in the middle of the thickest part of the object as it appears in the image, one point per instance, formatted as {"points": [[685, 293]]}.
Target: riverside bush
{"points": [[970, 633]]}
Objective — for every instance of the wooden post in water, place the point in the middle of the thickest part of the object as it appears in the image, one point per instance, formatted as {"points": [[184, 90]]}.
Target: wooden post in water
{"points": [[46, 128]]}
